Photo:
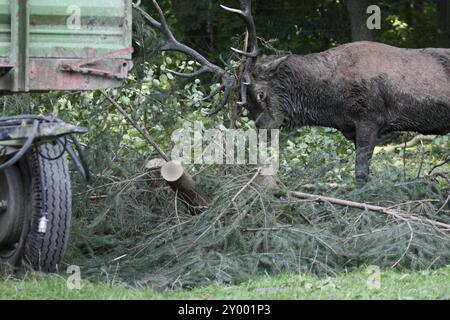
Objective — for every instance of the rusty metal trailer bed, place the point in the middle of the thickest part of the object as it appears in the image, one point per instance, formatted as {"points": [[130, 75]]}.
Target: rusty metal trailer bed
{"points": [[50, 45]]}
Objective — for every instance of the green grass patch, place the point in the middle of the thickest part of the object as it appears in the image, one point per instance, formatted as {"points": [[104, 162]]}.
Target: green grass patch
{"points": [[432, 284]]}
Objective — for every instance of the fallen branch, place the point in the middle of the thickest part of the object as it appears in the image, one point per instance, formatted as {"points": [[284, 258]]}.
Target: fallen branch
{"points": [[261, 180], [411, 143], [445, 203], [363, 206], [257, 173], [323, 186], [443, 175], [439, 165]]}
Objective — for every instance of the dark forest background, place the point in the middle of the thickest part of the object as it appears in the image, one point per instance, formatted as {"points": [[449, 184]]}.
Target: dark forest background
{"points": [[303, 26]]}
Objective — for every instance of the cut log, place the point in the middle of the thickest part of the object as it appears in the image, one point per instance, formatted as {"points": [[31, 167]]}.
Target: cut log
{"points": [[182, 183], [153, 173], [268, 179], [155, 164]]}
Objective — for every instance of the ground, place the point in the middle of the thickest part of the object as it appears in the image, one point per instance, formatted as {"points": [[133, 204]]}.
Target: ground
{"points": [[359, 284]]}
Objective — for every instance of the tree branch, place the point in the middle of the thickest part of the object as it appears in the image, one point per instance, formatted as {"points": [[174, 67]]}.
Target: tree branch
{"points": [[363, 206], [143, 131], [411, 143]]}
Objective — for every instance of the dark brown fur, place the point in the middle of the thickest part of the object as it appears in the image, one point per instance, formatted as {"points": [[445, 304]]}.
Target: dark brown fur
{"points": [[363, 89]]}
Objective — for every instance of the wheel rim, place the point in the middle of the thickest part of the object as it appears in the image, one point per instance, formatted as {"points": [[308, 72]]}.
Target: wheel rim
{"points": [[12, 213]]}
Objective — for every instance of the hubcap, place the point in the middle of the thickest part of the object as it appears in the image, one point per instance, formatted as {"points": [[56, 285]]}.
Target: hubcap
{"points": [[11, 209]]}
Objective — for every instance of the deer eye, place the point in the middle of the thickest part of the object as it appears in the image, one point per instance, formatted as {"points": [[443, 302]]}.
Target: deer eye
{"points": [[261, 96]]}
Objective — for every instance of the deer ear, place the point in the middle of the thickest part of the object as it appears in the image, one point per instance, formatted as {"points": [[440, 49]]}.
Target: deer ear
{"points": [[273, 64]]}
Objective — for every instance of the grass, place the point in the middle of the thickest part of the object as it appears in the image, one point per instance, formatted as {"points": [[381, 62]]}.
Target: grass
{"points": [[393, 285]]}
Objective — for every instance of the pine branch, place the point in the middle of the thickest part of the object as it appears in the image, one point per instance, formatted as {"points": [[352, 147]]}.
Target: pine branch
{"points": [[363, 206]]}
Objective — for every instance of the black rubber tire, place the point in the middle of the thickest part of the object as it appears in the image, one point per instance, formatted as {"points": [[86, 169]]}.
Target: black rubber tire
{"points": [[46, 193], [12, 190], [50, 195]]}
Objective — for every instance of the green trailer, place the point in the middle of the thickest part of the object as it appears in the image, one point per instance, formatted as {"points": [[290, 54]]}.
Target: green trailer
{"points": [[51, 45]]}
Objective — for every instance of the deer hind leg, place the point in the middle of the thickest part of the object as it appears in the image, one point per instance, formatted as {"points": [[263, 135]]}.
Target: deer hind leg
{"points": [[366, 135]]}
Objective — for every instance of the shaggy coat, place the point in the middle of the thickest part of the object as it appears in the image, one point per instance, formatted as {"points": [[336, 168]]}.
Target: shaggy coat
{"points": [[362, 89]]}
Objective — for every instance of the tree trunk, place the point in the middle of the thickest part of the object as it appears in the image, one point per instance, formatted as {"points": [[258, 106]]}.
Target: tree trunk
{"points": [[444, 23], [357, 10], [194, 20]]}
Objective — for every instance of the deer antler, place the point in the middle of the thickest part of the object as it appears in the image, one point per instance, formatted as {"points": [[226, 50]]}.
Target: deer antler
{"points": [[228, 81], [172, 44], [246, 14]]}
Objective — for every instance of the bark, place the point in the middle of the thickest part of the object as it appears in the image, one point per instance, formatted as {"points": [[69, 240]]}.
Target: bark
{"points": [[358, 19], [443, 8], [182, 183], [364, 206]]}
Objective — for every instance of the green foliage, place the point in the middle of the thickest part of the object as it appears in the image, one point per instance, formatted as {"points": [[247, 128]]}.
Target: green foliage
{"points": [[126, 212], [422, 285], [166, 247], [298, 148]]}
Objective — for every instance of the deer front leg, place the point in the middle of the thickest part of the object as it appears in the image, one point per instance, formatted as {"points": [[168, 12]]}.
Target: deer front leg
{"points": [[366, 135]]}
